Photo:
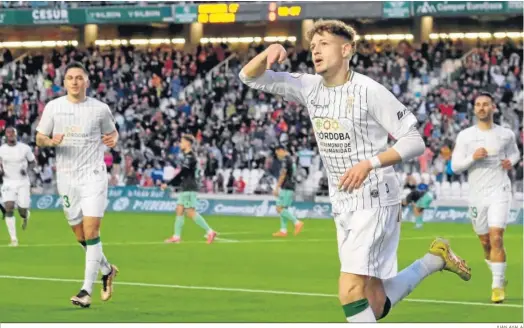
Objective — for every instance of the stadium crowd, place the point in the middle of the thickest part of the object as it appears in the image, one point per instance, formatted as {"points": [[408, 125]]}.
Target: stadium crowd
{"points": [[159, 94]]}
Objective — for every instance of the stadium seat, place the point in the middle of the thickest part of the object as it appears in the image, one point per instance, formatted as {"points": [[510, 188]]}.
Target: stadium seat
{"points": [[237, 173], [426, 178], [464, 190], [417, 177], [455, 190], [437, 188], [445, 190]]}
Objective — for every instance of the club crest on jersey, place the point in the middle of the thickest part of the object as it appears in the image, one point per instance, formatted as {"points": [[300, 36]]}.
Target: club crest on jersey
{"points": [[350, 102]]}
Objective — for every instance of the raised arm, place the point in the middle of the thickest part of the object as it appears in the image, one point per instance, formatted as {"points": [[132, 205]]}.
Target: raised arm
{"points": [[256, 75]]}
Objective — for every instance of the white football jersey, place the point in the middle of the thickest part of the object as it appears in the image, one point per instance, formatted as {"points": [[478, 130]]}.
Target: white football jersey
{"points": [[486, 177], [81, 153], [15, 159], [351, 124]]}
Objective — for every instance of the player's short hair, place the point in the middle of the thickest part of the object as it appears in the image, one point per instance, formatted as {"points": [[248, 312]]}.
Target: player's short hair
{"points": [[75, 65], [334, 27], [189, 137], [486, 94], [13, 128]]}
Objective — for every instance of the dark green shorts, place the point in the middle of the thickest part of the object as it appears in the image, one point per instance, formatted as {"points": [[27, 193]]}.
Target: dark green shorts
{"points": [[285, 198], [188, 199]]}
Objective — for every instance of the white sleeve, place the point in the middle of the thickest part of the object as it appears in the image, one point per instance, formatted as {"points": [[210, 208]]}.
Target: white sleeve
{"points": [[397, 120], [390, 113], [107, 123], [512, 150], [45, 126], [29, 156], [291, 86], [460, 160]]}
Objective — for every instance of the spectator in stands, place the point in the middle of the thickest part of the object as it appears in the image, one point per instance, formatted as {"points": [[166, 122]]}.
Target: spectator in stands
{"points": [[240, 185], [231, 184], [159, 94]]}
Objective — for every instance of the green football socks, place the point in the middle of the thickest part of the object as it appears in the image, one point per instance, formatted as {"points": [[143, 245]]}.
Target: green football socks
{"points": [[202, 223], [179, 224]]}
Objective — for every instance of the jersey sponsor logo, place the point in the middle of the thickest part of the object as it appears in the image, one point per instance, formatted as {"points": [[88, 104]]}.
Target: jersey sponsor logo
{"points": [[75, 131], [402, 113], [333, 135]]}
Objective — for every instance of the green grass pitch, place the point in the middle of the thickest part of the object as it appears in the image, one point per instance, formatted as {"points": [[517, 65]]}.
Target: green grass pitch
{"points": [[248, 276]]}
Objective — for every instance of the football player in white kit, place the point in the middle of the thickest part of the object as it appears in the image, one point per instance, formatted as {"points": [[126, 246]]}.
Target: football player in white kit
{"points": [[487, 151], [352, 115], [17, 160], [79, 127]]}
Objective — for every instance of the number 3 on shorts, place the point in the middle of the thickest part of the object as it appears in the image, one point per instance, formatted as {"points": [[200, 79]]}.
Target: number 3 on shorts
{"points": [[473, 212], [66, 201]]}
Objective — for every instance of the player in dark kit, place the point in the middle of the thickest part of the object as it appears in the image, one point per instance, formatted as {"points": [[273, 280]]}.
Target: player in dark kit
{"points": [[421, 199], [188, 181], [285, 191]]}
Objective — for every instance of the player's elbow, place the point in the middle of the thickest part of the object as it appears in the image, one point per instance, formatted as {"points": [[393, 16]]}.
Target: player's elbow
{"points": [[245, 77], [455, 167], [410, 145]]}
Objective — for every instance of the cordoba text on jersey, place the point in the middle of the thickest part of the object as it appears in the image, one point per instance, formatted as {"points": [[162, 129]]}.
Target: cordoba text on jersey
{"points": [[333, 136]]}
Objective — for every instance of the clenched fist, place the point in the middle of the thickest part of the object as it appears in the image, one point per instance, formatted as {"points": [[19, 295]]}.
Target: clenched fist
{"points": [[275, 53], [56, 139], [480, 154]]}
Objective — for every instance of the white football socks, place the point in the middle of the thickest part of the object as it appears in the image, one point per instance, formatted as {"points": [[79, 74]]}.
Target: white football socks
{"points": [[11, 227], [405, 281], [498, 269], [93, 258]]}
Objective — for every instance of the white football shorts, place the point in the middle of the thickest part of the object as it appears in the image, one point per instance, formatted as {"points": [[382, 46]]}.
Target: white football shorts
{"points": [[368, 240], [18, 192], [83, 199], [491, 212]]}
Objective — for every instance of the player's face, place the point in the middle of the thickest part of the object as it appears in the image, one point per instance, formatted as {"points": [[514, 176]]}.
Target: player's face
{"points": [[10, 135], [329, 52], [280, 154], [185, 145], [484, 108], [76, 82]]}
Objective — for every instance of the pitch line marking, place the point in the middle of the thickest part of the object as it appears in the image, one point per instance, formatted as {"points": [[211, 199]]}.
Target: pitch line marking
{"points": [[257, 291], [231, 241]]}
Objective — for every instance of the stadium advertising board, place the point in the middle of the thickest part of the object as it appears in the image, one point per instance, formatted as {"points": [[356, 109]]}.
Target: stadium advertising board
{"points": [[37, 16], [396, 9], [128, 14], [185, 14], [465, 8], [131, 199]]}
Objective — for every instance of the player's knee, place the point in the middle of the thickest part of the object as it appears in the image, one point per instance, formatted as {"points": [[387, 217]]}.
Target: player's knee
{"points": [[9, 212], [351, 288], [22, 212], [496, 241], [485, 242], [279, 209], [91, 234]]}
